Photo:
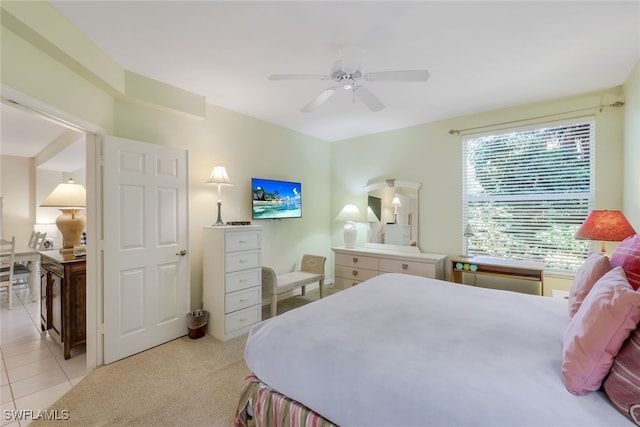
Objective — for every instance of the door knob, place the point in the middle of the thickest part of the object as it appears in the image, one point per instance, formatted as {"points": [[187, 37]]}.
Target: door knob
{"points": [[182, 252]]}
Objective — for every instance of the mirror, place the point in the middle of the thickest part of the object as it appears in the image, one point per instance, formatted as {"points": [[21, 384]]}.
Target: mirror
{"points": [[392, 213]]}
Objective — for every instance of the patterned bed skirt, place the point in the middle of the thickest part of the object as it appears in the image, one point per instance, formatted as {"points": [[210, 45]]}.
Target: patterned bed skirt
{"points": [[260, 406]]}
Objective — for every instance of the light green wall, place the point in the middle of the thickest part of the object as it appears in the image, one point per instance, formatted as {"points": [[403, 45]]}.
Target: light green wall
{"points": [[247, 148], [632, 148], [429, 154], [52, 66], [48, 60]]}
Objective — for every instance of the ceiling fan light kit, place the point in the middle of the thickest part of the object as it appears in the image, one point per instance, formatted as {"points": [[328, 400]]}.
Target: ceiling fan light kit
{"points": [[346, 72]]}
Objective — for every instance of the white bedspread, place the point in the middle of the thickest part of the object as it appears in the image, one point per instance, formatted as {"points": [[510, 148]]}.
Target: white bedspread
{"points": [[401, 350]]}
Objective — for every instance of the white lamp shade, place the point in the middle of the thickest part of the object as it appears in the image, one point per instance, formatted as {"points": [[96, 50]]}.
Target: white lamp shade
{"points": [[349, 213], [67, 195], [396, 202], [219, 176]]}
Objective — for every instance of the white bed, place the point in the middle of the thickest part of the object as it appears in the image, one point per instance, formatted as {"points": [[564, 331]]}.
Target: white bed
{"points": [[401, 350]]}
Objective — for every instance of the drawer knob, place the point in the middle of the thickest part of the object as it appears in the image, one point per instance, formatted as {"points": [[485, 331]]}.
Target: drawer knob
{"points": [[244, 299], [354, 272], [355, 260], [405, 266]]}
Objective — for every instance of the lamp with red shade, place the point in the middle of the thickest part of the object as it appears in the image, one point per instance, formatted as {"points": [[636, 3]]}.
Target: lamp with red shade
{"points": [[605, 225]]}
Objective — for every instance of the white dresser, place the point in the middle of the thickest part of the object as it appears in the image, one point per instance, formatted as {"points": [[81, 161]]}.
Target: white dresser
{"points": [[353, 266], [232, 279]]}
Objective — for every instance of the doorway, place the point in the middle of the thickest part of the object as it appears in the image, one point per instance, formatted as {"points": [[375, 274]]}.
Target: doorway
{"points": [[93, 137]]}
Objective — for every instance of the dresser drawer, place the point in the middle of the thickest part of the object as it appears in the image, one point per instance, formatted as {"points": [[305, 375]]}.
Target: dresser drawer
{"points": [[344, 283], [351, 273], [358, 261], [235, 301], [242, 240], [243, 279], [236, 261], [243, 318], [407, 267]]}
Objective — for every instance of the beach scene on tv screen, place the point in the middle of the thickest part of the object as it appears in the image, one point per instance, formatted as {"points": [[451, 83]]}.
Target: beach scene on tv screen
{"points": [[276, 199]]}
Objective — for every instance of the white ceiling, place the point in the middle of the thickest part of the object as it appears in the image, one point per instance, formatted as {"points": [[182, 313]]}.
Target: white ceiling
{"points": [[25, 134], [481, 55]]}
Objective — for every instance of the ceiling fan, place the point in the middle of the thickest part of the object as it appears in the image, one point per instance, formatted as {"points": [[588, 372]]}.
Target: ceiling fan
{"points": [[347, 72]]}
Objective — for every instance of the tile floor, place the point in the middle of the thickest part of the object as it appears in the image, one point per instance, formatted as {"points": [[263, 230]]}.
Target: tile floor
{"points": [[33, 372]]}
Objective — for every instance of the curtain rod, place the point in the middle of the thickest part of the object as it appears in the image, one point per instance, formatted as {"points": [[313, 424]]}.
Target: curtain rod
{"points": [[616, 104]]}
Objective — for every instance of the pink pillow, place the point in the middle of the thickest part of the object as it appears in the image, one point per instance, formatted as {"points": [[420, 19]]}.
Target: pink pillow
{"points": [[596, 333], [593, 268], [622, 385], [627, 256]]}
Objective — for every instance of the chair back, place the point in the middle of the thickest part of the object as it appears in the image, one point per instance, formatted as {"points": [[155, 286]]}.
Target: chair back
{"points": [[33, 239], [36, 241], [7, 259], [40, 241], [313, 264]]}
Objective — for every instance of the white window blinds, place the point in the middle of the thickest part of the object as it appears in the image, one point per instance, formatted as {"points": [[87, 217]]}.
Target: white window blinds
{"points": [[526, 192]]}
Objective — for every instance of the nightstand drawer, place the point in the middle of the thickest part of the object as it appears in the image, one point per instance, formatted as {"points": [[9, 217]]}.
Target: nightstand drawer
{"points": [[243, 318], [351, 273], [243, 279], [244, 260], [242, 240], [358, 261], [407, 267], [242, 299]]}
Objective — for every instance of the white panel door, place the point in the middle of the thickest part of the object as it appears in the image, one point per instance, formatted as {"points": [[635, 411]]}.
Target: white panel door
{"points": [[146, 265]]}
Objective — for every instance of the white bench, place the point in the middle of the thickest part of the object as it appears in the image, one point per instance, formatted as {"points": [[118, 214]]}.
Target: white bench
{"points": [[311, 271]]}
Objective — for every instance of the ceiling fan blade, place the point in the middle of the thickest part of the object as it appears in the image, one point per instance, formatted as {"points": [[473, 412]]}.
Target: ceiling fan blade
{"points": [[318, 100], [351, 58], [299, 77], [398, 76], [369, 99]]}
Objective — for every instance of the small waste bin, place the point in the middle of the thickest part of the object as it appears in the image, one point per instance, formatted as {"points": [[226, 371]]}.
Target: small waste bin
{"points": [[197, 323]]}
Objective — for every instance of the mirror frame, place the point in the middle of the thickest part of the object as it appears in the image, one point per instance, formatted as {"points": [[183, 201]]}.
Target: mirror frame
{"points": [[376, 184]]}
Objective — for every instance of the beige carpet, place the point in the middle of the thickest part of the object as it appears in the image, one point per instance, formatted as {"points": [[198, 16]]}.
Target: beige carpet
{"points": [[184, 382]]}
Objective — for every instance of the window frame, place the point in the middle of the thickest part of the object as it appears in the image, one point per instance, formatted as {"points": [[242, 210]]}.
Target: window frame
{"points": [[565, 254]]}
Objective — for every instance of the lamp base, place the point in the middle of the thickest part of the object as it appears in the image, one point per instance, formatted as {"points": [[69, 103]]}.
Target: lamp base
{"points": [[219, 221], [350, 234], [71, 225]]}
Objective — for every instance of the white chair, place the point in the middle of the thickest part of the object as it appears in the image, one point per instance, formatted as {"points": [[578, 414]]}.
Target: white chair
{"points": [[22, 269], [311, 271], [7, 261]]}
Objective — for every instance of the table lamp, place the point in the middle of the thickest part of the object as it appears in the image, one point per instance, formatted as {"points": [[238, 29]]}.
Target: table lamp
{"points": [[605, 225], [70, 198], [468, 233], [395, 202], [349, 214], [219, 176]]}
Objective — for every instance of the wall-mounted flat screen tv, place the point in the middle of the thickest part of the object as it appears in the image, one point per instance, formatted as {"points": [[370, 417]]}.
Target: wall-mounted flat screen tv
{"points": [[273, 199]]}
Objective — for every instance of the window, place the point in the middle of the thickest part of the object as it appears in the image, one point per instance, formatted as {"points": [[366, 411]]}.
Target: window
{"points": [[526, 192]]}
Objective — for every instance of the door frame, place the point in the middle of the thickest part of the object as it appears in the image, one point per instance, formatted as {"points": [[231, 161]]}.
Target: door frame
{"points": [[95, 136]]}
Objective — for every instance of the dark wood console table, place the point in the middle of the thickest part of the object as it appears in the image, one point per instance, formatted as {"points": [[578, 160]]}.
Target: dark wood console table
{"points": [[63, 298]]}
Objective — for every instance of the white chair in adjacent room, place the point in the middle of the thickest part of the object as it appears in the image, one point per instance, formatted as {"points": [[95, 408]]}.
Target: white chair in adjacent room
{"points": [[21, 269], [7, 260]]}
